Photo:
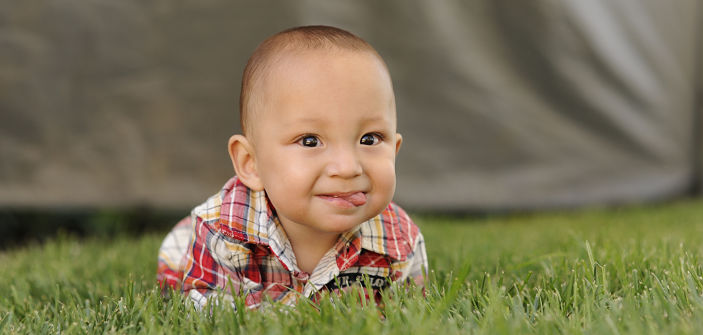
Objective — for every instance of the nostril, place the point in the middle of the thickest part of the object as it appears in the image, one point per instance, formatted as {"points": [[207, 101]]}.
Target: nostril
{"points": [[345, 170], [344, 163]]}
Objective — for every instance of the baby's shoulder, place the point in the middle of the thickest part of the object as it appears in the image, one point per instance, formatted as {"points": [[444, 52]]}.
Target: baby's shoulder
{"points": [[396, 216], [392, 233], [211, 208]]}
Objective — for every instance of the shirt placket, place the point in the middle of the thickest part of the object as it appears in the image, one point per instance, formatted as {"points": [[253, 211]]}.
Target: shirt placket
{"points": [[318, 279], [300, 280]]}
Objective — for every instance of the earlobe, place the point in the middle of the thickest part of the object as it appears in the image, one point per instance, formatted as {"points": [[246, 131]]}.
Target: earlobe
{"points": [[244, 162], [398, 142]]}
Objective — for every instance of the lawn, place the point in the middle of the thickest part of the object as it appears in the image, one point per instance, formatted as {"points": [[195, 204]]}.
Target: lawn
{"points": [[634, 270]]}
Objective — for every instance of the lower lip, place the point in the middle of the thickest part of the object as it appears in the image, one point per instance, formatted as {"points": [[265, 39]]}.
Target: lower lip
{"points": [[340, 202]]}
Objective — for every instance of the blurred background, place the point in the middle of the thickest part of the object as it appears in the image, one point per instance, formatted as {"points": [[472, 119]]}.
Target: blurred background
{"points": [[116, 114]]}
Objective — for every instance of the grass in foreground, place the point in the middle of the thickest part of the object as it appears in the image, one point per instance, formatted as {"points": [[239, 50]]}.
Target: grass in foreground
{"points": [[635, 270]]}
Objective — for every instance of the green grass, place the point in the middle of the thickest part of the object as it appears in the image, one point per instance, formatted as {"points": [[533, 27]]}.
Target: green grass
{"points": [[635, 270]]}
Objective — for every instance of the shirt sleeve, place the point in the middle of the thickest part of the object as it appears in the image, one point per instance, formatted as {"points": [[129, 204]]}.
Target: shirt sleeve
{"points": [[202, 269], [217, 267], [172, 254], [418, 262]]}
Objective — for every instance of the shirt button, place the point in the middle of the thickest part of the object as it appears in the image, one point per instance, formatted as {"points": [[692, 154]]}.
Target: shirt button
{"points": [[301, 276]]}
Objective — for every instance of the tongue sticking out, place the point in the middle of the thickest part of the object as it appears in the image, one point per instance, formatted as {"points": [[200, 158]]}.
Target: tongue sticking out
{"points": [[356, 199]]}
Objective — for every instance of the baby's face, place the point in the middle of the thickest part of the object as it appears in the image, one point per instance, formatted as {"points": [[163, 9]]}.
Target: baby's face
{"points": [[325, 140]]}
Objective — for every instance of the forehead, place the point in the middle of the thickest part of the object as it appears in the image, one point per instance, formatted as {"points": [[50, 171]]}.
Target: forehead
{"points": [[304, 86]]}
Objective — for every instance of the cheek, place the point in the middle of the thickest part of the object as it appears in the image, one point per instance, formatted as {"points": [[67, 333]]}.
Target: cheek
{"points": [[382, 171], [285, 173]]}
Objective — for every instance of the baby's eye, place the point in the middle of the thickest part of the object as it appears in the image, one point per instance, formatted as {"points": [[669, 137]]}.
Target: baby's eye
{"points": [[309, 141], [370, 139]]}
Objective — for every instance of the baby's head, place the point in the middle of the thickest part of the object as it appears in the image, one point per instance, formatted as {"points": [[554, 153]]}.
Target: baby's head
{"points": [[318, 115], [292, 41]]}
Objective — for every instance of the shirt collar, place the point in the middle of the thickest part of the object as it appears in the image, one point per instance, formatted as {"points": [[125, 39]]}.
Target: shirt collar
{"points": [[248, 216]]}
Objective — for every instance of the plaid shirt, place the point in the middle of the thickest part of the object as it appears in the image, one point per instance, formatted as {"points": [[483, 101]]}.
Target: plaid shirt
{"points": [[234, 243]]}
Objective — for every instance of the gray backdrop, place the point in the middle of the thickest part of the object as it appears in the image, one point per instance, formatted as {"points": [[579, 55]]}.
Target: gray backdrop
{"points": [[502, 104]]}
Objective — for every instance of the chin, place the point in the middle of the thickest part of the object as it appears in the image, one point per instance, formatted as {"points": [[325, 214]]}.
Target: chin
{"points": [[343, 226]]}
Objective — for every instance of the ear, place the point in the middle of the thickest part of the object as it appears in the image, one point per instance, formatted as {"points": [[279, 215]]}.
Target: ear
{"points": [[244, 162], [398, 142]]}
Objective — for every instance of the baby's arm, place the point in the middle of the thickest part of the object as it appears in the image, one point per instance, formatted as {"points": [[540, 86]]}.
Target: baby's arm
{"points": [[172, 254], [214, 267], [418, 262], [204, 277], [200, 275]]}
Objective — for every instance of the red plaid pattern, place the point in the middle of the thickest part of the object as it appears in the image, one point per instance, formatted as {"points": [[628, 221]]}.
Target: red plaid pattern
{"points": [[234, 244]]}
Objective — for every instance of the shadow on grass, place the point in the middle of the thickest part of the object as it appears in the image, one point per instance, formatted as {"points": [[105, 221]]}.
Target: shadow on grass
{"points": [[19, 227]]}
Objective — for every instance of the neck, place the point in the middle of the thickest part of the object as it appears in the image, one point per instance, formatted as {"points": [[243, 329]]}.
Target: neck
{"points": [[309, 245]]}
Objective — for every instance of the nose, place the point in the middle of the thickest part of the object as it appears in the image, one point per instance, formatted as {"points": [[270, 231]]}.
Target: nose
{"points": [[344, 163]]}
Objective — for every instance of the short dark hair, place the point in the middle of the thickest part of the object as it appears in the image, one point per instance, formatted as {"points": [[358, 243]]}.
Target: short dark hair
{"points": [[293, 39]]}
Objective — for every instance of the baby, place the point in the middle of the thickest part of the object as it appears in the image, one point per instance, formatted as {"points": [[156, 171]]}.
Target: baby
{"points": [[310, 206]]}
